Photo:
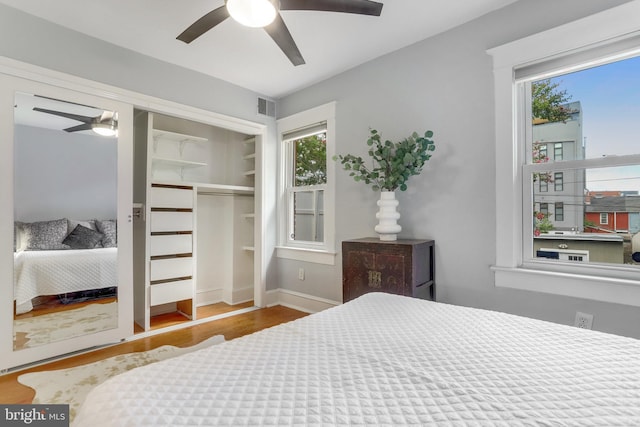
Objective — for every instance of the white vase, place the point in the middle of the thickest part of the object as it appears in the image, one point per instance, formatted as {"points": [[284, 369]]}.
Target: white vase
{"points": [[387, 215]]}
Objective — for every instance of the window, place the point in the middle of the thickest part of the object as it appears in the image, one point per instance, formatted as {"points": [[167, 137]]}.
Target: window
{"points": [[557, 151], [558, 184], [543, 185], [559, 211], [306, 183], [604, 218], [592, 161], [544, 209]]}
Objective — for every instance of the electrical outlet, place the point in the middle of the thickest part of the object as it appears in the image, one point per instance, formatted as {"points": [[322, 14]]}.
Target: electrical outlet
{"points": [[301, 274], [583, 320]]}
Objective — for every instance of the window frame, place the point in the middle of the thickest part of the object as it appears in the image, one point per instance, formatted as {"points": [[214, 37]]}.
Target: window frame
{"points": [[291, 189], [558, 151], [316, 252], [604, 215], [558, 181], [582, 38], [558, 211]]}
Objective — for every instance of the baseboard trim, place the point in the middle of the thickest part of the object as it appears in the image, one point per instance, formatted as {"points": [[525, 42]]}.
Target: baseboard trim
{"points": [[298, 301]]}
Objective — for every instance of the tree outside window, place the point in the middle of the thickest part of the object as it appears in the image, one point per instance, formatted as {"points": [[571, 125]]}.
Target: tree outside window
{"points": [[311, 160]]}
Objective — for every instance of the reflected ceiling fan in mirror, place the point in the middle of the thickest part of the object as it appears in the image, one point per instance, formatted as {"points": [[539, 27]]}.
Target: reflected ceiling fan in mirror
{"points": [[105, 124], [266, 14]]}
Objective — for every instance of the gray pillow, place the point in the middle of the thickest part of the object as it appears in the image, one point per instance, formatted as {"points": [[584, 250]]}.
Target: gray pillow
{"points": [[109, 229], [44, 235], [89, 223], [83, 238]]}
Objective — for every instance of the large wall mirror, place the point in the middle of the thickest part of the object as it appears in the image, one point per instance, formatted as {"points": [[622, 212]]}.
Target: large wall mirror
{"points": [[70, 220], [65, 208]]}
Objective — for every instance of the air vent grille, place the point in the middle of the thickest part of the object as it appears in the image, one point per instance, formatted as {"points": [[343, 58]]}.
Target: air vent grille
{"points": [[266, 107]]}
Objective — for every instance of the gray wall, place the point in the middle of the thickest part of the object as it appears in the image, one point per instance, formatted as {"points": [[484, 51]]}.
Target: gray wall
{"points": [[445, 84], [64, 175]]}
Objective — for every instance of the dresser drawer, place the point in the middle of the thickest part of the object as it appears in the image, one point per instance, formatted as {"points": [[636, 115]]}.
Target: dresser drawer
{"points": [[171, 268], [177, 198], [163, 293], [170, 244], [171, 221]]}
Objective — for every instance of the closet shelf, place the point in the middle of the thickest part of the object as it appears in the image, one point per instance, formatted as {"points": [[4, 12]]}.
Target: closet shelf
{"points": [[249, 173], [249, 156], [176, 137], [158, 161]]}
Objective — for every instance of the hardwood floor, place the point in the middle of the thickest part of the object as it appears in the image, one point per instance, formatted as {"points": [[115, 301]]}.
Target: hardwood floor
{"points": [[231, 327]]}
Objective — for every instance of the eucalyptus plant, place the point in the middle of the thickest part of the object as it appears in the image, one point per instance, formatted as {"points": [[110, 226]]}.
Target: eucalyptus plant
{"points": [[393, 162]]}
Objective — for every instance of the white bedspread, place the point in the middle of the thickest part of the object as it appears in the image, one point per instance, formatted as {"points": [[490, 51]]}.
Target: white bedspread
{"points": [[57, 272], [387, 360]]}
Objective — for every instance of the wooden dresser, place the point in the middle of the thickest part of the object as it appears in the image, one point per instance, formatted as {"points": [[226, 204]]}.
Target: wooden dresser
{"points": [[404, 267]]}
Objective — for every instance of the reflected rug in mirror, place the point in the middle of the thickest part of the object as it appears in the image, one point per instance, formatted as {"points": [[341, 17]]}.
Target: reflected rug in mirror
{"points": [[61, 325], [70, 386]]}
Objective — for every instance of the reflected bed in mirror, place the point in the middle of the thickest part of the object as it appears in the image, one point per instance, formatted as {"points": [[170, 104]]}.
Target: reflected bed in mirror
{"points": [[65, 202]]}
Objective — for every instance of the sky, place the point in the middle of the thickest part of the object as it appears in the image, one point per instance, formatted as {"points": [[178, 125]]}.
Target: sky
{"points": [[610, 99]]}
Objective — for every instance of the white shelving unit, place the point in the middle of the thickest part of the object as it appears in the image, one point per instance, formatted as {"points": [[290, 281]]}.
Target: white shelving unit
{"points": [[219, 171], [173, 155]]}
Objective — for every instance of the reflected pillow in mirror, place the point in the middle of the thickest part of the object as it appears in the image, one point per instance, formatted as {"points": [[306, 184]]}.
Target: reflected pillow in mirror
{"points": [[109, 229], [44, 235], [83, 238], [89, 223]]}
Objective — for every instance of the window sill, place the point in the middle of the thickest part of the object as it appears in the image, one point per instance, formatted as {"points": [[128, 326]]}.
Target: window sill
{"points": [[308, 255], [606, 289]]}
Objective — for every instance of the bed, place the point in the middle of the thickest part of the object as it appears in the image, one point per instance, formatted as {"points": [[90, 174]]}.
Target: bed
{"points": [[56, 272], [384, 359], [62, 256]]}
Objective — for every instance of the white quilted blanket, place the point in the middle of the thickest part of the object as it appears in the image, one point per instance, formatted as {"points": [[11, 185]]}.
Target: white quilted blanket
{"points": [[387, 360], [57, 272]]}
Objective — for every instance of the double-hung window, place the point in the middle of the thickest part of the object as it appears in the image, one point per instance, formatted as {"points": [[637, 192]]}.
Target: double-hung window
{"points": [[306, 204], [306, 182], [590, 73]]}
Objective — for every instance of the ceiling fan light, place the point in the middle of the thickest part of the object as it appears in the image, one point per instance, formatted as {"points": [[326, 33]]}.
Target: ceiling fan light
{"points": [[105, 129], [252, 13]]}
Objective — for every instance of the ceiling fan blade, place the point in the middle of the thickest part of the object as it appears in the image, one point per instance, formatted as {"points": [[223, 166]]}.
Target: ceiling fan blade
{"points": [[280, 34], [204, 24], [360, 7], [71, 116], [85, 126]]}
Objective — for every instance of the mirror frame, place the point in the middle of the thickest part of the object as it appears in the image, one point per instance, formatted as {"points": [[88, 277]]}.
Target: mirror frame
{"points": [[9, 85]]}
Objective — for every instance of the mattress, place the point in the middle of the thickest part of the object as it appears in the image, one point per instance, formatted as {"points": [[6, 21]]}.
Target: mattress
{"points": [[56, 272], [384, 359]]}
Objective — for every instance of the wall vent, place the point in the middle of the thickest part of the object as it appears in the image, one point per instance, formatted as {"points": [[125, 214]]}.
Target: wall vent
{"points": [[266, 107]]}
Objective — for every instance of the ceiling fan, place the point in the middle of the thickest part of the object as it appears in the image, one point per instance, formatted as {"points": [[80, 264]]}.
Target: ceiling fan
{"points": [[106, 124], [266, 14]]}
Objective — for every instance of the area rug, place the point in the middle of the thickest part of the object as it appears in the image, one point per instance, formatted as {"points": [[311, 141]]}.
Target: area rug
{"points": [[70, 386], [65, 324]]}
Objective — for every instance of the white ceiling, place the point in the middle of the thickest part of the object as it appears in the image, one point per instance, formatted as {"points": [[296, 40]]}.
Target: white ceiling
{"points": [[330, 42]]}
